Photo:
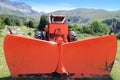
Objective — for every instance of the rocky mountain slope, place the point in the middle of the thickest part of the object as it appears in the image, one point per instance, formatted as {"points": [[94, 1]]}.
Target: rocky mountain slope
{"points": [[80, 15], [83, 15], [16, 7]]}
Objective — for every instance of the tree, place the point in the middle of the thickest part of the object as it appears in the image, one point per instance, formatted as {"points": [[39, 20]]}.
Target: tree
{"points": [[76, 28], [17, 22], [118, 36], [12, 22], [87, 29], [114, 23], [2, 25], [30, 24], [99, 28], [7, 21], [43, 22], [25, 23]]}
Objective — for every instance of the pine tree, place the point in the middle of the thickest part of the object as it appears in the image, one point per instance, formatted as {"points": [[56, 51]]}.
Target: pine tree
{"points": [[43, 22], [30, 24], [7, 21]]}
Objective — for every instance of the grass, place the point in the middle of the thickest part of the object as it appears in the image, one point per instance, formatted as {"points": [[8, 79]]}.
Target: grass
{"points": [[4, 72], [116, 69]]}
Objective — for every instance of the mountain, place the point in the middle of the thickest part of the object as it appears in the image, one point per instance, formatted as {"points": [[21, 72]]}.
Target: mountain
{"points": [[84, 15], [19, 9], [81, 15]]}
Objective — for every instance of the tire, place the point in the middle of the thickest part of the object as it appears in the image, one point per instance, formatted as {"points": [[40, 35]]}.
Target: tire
{"points": [[38, 34], [72, 36]]}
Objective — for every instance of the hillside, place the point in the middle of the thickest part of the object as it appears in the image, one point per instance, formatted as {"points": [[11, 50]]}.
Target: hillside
{"points": [[83, 15], [19, 9], [91, 13]]}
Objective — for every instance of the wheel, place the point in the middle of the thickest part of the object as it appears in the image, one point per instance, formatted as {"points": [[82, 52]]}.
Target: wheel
{"points": [[39, 34], [72, 36]]}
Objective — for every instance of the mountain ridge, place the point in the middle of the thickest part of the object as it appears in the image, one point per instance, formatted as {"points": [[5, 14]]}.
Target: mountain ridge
{"points": [[79, 15], [83, 15], [86, 12], [12, 6]]}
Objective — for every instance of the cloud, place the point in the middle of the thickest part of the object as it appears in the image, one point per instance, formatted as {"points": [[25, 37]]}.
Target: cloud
{"points": [[49, 8]]}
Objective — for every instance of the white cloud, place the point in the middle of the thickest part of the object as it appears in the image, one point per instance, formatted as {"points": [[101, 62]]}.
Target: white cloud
{"points": [[50, 8]]}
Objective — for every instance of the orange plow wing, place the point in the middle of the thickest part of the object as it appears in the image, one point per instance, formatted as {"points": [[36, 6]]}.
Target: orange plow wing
{"points": [[90, 57], [84, 58], [30, 56]]}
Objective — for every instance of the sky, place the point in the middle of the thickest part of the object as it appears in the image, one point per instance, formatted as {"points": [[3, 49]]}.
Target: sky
{"points": [[53, 5]]}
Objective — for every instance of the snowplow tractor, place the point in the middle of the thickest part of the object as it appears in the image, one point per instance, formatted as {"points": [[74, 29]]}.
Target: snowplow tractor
{"points": [[57, 53]]}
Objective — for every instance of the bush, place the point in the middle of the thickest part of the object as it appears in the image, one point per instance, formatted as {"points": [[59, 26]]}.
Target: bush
{"points": [[87, 29], [2, 26], [95, 28], [7, 21], [29, 33], [30, 24], [76, 28], [118, 36], [99, 28], [1, 35]]}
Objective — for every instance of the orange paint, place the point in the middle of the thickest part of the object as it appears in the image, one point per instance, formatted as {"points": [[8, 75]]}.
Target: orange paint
{"points": [[90, 56], [83, 58], [30, 56], [62, 27]]}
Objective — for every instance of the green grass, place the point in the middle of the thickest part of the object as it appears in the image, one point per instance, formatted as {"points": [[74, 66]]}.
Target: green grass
{"points": [[116, 69], [4, 72]]}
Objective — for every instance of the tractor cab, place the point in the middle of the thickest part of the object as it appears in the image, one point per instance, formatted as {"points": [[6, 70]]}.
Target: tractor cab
{"points": [[57, 19]]}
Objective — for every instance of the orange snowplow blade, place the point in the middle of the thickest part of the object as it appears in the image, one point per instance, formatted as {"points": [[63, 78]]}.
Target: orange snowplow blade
{"points": [[90, 57], [30, 56], [84, 58]]}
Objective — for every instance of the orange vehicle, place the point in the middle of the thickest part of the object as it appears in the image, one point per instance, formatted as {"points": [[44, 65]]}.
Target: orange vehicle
{"points": [[57, 53]]}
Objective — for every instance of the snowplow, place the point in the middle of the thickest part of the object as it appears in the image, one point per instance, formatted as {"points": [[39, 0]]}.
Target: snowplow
{"points": [[56, 52]]}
